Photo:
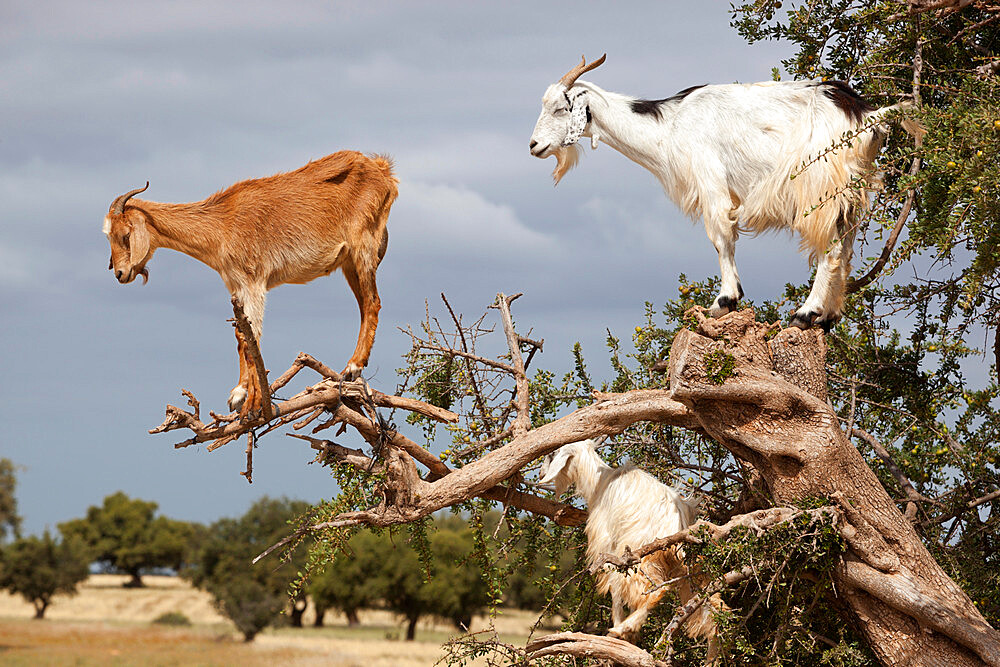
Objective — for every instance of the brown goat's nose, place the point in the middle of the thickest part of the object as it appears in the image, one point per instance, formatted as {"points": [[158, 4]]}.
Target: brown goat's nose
{"points": [[118, 275]]}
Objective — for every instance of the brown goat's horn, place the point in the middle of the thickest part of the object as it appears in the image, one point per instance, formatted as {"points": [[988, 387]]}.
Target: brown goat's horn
{"points": [[571, 76], [118, 207]]}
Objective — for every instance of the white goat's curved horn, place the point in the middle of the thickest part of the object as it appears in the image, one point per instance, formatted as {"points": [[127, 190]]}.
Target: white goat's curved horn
{"points": [[571, 76], [118, 207]]}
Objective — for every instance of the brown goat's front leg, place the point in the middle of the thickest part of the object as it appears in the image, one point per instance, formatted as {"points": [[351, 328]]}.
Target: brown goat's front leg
{"points": [[365, 291], [237, 397]]}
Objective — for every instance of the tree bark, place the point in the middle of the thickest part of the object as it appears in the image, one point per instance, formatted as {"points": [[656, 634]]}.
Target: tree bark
{"points": [[320, 614], [40, 607], [411, 628], [772, 413], [352, 618]]}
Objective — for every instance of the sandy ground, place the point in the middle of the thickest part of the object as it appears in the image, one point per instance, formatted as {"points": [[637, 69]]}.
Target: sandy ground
{"points": [[108, 624]]}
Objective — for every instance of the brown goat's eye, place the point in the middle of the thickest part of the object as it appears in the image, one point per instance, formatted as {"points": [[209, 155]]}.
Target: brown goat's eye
{"points": [[111, 263], [125, 240]]}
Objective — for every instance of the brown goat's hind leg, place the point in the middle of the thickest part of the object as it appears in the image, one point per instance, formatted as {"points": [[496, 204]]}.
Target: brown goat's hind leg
{"points": [[365, 291]]}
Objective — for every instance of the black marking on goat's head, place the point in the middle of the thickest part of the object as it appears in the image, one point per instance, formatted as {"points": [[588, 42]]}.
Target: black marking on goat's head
{"points": [[846, 99], [652, 107]]}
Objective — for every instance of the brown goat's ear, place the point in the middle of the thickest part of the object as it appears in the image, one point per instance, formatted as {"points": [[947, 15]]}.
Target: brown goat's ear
{"points": [[138, 242]]}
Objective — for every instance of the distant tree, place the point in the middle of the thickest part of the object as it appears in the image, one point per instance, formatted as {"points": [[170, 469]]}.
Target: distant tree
{"points": [[251, 596], [39, 568], [123, 534], [351, 582], [9, 519], [455, 590]]}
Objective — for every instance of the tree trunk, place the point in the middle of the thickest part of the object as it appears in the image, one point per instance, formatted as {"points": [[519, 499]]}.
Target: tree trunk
{"points": [[352, 618], [135, 581], [772, 413], [40, 607], [411, 628], [320, 613], [299, 605]]}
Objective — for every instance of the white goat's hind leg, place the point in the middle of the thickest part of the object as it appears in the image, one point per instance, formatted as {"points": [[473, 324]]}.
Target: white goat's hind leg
{"points": [[722, 232], [826, 298]]}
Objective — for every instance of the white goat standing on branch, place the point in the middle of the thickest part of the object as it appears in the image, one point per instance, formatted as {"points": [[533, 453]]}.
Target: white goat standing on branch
{"points": [[629, 507], [795, 155], [288, 228]]}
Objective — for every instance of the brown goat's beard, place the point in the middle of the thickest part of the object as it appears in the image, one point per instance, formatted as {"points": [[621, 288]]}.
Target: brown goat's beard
{"points": [[144, 272], [566, 159]]}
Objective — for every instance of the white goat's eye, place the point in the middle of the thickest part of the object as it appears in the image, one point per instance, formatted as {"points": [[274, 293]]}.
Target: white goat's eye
{"points": [[560, 112]]}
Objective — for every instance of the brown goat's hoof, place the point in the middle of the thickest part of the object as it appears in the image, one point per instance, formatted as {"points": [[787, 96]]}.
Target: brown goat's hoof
{"points": [[237, 397], [352, 372]]}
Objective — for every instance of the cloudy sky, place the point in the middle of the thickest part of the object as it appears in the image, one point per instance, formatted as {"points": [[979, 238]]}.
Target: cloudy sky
{"points": [[97, 98]]}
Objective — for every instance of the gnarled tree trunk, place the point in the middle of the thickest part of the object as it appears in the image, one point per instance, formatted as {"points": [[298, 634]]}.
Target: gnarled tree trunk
{"points": [[769, 409]]}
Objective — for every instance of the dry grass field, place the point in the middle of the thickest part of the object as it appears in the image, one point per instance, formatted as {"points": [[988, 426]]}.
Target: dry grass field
{"points": [[106, 624]]}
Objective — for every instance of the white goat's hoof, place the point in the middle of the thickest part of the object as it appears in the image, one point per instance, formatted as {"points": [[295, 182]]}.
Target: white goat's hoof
{"points": [[805, 319], [236, 397]]}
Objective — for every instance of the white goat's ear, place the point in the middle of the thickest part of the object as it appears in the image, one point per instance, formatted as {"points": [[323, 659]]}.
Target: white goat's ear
{"points": [[577, 119], [554, 468]]}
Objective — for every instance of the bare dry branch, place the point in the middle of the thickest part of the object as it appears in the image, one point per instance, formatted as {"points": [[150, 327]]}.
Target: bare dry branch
{"points": [[522, 422]]}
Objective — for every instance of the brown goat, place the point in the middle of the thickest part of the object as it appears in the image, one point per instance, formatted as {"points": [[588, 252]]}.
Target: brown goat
{"points": [[288, 228]]}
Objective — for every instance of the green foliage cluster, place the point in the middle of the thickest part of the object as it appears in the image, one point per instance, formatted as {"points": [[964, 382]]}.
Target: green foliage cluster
{"points": [[37, 568], [125, 535]]}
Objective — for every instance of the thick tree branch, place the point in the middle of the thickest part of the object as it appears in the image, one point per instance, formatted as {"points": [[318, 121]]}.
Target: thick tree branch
{"points": [[901, 592], [580, 645]]}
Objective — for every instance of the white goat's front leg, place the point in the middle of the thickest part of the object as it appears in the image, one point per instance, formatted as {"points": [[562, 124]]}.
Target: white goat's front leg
{"points": [[826, 298], [722, 232], [246, 395]]}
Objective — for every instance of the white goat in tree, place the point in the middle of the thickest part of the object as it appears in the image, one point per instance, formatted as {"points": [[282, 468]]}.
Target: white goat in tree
{"points": [[752, 157], [627, 506], [288, 228]]}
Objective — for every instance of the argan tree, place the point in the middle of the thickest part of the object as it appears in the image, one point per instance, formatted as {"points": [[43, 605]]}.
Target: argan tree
{"points": [[124, 535], [252, 598], [39, 568], [850, 479]]}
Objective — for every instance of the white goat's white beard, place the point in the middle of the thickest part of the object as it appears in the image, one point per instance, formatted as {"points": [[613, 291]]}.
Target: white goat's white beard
{"points": [[566, 159]]}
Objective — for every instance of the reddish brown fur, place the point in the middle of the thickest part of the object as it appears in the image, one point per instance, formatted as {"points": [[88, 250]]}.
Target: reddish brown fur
{"points": [[264, 232]]}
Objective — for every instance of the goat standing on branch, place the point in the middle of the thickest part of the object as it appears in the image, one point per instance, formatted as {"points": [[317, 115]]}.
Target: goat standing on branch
{"points": [[628, 507], [288, 228], [795, 155]]}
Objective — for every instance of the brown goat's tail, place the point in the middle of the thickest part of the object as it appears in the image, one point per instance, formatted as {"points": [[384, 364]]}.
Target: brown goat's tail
{"points": [[384, 162]]}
